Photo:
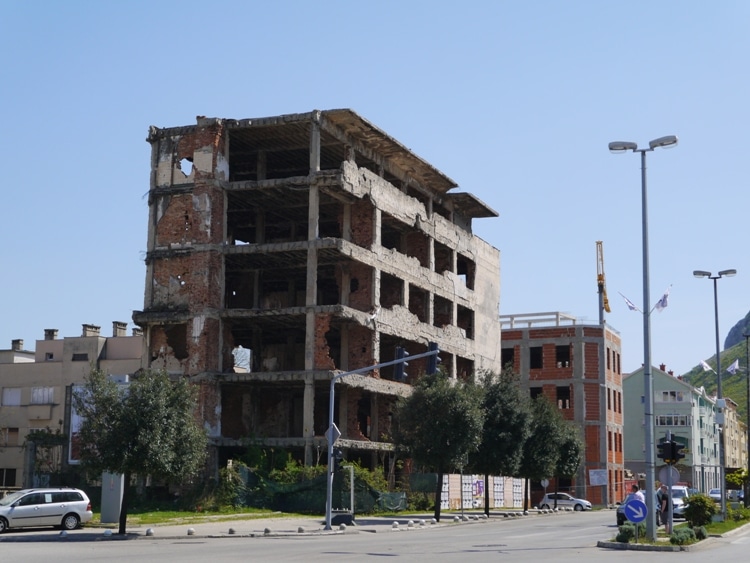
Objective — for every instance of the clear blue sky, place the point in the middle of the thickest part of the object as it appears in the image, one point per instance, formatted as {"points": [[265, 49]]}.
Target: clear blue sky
{"points": [[516, 101]]}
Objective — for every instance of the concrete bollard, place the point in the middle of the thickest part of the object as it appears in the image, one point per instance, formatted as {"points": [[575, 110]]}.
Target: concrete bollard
{"points": [[190, 531]]}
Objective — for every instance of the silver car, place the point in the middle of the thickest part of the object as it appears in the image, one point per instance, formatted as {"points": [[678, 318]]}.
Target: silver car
{"points": [[60, 507], [564, 500]]}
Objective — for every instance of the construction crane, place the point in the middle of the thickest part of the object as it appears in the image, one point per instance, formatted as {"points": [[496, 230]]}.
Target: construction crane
{"points": [[601, 283]]}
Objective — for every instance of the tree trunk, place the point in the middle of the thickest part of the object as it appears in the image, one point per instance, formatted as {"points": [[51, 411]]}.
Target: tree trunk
{"points": [[124, 505], [438, 494], [487, 495], [526, 495]]}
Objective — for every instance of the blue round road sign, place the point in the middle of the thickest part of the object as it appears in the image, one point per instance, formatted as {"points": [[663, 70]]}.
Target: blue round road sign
{"points": [[636, 510]]}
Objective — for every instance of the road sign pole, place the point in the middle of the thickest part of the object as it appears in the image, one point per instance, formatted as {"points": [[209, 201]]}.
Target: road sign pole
{"points": [[332, 399]]}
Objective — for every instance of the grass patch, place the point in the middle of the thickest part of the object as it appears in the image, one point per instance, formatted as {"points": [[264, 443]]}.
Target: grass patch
{"points": [[155, 517]]}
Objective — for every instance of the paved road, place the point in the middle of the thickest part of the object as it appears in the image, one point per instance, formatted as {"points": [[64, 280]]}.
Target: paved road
{"points": [[566, 537]]}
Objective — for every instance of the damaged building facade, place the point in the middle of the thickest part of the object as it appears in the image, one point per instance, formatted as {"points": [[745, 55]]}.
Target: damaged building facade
{"points": [[284, 250]]}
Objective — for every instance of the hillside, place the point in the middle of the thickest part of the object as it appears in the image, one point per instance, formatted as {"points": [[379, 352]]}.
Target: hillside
{"points": [[733, 386]]}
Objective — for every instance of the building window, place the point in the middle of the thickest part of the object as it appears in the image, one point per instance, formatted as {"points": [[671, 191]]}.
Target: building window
{"points": [[508, 356], [9, 436], [49, 356], [11, 396], [535, 357], [674, 420], [562, 356], [608, 358], [563, 397], [42, 395], [609, 399], [80, 357], [672, 396], [535, 392], [7, 477]]}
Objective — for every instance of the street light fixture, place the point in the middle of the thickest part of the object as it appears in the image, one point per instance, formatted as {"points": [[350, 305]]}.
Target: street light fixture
{"points": [[719, 395], [648, 380]]}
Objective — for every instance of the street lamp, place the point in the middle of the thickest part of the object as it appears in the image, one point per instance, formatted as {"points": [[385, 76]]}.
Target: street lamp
{"points": [[719, 395], [648, 381]]}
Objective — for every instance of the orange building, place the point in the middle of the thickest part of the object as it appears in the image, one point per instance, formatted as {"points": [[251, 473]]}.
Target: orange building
{"points": [[577, 367]]}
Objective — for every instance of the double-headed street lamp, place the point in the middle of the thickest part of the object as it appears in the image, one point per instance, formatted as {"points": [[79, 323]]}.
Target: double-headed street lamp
{"points": [[719, 395], [617, 147]]}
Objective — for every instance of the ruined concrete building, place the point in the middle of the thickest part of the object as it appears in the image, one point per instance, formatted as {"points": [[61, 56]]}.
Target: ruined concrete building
{"points": [[285, 250]]}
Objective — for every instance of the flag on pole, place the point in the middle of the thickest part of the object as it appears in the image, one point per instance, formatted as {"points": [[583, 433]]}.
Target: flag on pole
{"points": [[629, 303], [734, 366], [662, 303], [706, 367]]}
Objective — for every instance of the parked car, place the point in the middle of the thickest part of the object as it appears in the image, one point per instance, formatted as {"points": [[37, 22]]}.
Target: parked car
{"points": [[564, 500], [679, 500], [621, 517], [715, 494], [60, 507]]}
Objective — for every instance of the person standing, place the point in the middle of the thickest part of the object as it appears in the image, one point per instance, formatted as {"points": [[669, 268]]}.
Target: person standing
{"points": [[637, 493], [665, 506]]}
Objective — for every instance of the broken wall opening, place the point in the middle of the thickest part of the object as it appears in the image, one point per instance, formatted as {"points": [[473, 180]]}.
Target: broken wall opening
{"points": [[465, 320], [443, 258], [255, 410], [391, 290], [443, 312], [467, 270], [419, 301]]}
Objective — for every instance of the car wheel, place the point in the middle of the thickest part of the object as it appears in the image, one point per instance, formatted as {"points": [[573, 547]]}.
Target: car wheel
{"points": [[544, 507], [3, 525], [578, 507], [620, 521], [70, 522]]}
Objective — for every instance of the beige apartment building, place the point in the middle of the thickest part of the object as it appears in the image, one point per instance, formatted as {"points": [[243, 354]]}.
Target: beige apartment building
{"points": [[35, 392]]}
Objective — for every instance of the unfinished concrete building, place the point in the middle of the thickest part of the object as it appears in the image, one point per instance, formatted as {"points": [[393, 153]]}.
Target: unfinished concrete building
{"points": [[285, 250]]}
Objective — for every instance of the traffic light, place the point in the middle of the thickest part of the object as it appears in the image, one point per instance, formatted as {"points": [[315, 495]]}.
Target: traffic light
{"points": [[338, 456], [434, 360], [677, 453], [665, 452], [400, 368]]}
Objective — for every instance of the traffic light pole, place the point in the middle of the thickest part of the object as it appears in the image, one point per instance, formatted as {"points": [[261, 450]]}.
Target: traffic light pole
{"points": [[333, 434]]}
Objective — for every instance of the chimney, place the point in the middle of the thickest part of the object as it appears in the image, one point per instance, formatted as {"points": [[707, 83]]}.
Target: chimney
{"points": [[50, 333], [119, 328], [90, 330], [663, 367], [137, 331], [16, 345]]}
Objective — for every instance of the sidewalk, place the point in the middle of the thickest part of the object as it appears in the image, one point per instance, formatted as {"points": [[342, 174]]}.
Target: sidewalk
{"points": [[283, 525]]}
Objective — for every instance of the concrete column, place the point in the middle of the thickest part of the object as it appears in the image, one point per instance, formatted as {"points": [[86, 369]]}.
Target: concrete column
{"points": [[311, 292], [308, 418]]}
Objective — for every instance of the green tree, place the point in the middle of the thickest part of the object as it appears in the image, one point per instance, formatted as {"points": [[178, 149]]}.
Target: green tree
{"points": [[570, 448], [540, 451], [439, 425], [147, 427], [506, 429]]}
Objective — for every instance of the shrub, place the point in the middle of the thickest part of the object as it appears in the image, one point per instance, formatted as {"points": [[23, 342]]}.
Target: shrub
{"points": [[682, 536], [738, 514], [699, 510], [700, 532], [627, 532]]}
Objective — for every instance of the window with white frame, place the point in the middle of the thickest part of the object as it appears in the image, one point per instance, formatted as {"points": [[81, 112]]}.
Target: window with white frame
{"points": [[672, 396], [42, 395], [11, 396], [673, 420]]}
